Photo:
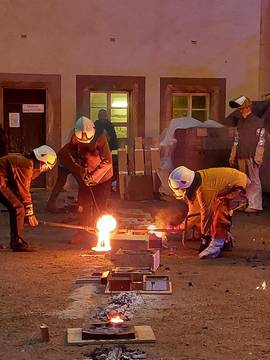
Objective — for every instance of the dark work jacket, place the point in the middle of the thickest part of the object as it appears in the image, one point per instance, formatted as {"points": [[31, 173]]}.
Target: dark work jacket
{"points": [[248, 132], [97, 158], [107, 127], [259, 108]]}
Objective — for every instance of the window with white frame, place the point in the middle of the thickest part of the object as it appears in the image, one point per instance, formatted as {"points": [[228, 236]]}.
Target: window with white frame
{"points": [[116, 105], [192, 105]]}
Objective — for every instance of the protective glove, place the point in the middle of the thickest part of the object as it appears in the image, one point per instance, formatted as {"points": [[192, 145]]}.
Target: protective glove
{"points": [[232, 159], [258, 158], [88, 180], [30, 218]]}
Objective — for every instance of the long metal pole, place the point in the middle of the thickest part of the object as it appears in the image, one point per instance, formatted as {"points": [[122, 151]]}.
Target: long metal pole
{"points": [[91, 229], [67, 226]]}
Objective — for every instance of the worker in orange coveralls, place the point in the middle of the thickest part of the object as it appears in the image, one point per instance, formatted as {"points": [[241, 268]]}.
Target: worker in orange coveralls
{"points": [[215, 192], [93, 196], [16, 174], [88, 158]]}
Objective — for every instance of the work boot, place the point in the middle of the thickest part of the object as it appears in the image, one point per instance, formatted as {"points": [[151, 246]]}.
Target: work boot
{"points": [[21, 246], [205, 241], [24, 248], [228, 245], [213, 250]]}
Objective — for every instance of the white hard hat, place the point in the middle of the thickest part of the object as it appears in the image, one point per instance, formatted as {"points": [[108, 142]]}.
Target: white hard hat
{"points": [[239, 102], [46, 155], [84, 130], [180, 179]]}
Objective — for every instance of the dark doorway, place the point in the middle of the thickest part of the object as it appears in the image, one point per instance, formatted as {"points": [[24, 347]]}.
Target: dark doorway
{"points": [[25, 122]]}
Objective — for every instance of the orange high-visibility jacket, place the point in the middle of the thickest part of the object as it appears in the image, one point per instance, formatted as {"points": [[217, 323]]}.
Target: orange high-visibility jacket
{"points": [[17, 172]]}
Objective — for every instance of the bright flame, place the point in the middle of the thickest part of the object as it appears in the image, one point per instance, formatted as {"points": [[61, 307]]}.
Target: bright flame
{"points": [[105, 224], [151, 229], [263, 286], [116, 319]]}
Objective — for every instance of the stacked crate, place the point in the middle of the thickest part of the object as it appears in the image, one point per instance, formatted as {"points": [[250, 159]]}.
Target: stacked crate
{"points": [[137, 167]]}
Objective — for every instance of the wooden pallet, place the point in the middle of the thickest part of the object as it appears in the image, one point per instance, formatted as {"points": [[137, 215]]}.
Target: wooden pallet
{"points": [[138, 163], [144, 334]]}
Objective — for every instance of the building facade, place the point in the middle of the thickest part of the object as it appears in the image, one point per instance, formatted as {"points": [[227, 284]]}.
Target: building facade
{"points": [[145, 61]]}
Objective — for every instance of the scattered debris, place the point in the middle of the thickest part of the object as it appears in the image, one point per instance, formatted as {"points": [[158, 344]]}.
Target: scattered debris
{"points": [[263, 286], [44, 331], [115, 353], [123, 303]]}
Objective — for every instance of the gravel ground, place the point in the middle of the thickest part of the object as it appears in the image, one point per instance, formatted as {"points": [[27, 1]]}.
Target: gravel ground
{"points": [[215, 312]]}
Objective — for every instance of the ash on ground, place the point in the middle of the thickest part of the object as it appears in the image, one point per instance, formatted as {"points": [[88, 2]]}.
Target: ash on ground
{"points": [[125, 303], [113, 353]]}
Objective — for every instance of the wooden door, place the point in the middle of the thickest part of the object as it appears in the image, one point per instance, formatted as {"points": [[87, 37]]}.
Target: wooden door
{"points": [[25, 122]]}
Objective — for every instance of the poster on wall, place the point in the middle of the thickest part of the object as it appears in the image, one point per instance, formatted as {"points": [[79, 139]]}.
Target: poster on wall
{"points": [[33, 108], [14, 120]]}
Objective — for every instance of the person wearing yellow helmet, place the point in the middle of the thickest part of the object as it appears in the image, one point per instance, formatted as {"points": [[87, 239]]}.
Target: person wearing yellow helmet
{"points": [[16, 174]]}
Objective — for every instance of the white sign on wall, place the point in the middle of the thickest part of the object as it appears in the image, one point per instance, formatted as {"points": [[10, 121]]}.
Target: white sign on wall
{"points": [[33, 108], [14, 120]]}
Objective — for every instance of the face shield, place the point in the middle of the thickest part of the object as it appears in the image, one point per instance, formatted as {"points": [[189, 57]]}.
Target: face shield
{"points": [[45, 167], [178, 193]]}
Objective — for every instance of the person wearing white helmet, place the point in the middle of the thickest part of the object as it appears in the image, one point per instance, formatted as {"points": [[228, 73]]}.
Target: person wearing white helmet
{"points": [[248, 149], [84, 130], [88, 158], [215, 192], [16, 174], [69, 161]]}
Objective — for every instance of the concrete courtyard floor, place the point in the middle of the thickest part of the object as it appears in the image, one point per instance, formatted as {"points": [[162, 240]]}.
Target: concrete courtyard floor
{"points": [[215, 312]]}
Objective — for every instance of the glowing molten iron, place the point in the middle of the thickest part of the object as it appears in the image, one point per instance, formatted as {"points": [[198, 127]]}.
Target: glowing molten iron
{"points": [[105, 224], [116, 319], [151, 230]]}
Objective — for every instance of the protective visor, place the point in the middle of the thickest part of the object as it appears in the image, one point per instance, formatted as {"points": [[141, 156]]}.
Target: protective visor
{"points": [[178, 193], [83, 137]]}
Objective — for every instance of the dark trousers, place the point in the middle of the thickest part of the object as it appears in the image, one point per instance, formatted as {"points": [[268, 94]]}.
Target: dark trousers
{"points": [[91, 204], [16, 215], [61, 180]]}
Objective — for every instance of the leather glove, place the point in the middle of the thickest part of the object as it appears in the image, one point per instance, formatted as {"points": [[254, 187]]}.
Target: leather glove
{"points": [[88, 180], [30, 218]]}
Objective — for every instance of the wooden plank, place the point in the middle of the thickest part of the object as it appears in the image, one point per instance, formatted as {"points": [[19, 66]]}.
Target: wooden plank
{"points": [[122, 171], [143, 292], [131, 167], [147, 156], [143, 334], [138, 156], [155, 162]]}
